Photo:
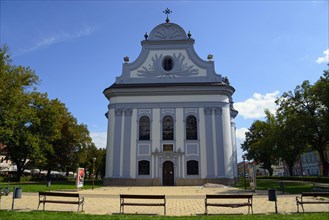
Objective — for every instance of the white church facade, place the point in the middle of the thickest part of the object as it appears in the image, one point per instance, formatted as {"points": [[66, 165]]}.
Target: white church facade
{"points": [[170, 117]]}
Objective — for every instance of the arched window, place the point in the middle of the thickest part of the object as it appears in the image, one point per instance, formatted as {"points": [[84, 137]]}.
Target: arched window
{"points": [[144, 167], [191, 128], [192, 167], [167, 128], [144, 128]]}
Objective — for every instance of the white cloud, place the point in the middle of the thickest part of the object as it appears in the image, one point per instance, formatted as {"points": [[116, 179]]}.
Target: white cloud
{"points": [[50, 40], [99, 138], [253, 108], [325, 58], [240, 134], [240, 138]]}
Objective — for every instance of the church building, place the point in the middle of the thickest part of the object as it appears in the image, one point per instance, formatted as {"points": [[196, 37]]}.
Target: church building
{"points": [[170, 116]]}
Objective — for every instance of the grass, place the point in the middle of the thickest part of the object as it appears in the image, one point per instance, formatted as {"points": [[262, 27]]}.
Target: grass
{"points": [[14, 215], [292, 187], [54, 186]]}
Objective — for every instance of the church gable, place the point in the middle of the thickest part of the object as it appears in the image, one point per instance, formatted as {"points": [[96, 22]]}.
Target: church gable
{"points": [[168, 64], [168, 56], [168, 31]]}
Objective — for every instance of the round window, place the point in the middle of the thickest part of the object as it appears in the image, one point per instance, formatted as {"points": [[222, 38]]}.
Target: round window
{"points": [[167, 64]]}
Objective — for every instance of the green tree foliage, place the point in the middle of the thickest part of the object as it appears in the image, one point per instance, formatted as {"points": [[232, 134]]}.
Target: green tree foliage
{"points": [[100, 165], [88, 164], [301, 123], [17, 117], [307, 106], [290, 144], [261, 141], [99, 155], [35, 130], [62, 134]]}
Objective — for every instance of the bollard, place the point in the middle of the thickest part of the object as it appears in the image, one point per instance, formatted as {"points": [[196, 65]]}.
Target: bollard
{"points": [[272, 197], [17, 194]]}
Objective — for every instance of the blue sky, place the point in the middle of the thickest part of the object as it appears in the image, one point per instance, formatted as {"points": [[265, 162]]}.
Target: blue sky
{"points": [[265, 48]]}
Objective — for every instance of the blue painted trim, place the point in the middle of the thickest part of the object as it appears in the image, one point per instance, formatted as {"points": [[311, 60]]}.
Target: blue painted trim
{"points": [[127, 143], [219, 141], [209, 142], [117, 143]]}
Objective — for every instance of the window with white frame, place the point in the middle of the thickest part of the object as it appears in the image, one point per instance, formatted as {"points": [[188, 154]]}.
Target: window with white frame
{"points": [[144, 167], [167, 128], [144, 128], [191, 128], [192, 167]]}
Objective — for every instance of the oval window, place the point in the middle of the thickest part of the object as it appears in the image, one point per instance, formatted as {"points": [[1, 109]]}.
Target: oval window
{"points": [[167, 64]]}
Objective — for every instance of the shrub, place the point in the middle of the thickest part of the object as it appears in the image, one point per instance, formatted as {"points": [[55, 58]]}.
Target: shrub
{"points": [[318, 179]]}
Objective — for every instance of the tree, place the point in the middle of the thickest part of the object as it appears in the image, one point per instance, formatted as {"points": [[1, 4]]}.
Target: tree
{"points": [[260, 143], [17, 116], [35, 130], [309, 104], [290, 143], [69, 150], [99, 154], [100, 165]]}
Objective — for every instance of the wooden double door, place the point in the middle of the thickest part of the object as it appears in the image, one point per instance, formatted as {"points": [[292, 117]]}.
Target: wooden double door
{"points": [[168, 175]]}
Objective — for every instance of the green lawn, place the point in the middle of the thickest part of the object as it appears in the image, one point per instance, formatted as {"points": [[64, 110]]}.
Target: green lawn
{"points": [[292, 187], [67, 216], [41, 186]]}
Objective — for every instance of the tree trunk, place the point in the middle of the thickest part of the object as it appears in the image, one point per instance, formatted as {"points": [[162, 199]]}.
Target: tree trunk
{"points": [[48, 177], [270, 171], [325, 164], [290, 170], [19, 172]]}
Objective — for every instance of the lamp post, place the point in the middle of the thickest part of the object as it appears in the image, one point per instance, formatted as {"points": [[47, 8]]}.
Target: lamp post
{"points": [[94, 159], [244, 172]]}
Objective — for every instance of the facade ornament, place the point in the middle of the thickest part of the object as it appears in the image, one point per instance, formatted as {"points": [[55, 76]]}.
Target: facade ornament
{"points": [[180, 68], [207, 110], [167, 11], [225, 80], [146, 36], [189, 34], [128, 111], [118, 111], [167, 156], [126, 59], [218, 110]]}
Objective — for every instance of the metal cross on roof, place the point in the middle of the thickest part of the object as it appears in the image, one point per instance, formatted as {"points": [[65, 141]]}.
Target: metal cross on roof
{"points": [[167, 12]]}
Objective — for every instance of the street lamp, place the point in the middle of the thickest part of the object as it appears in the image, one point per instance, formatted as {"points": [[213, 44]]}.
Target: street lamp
{"points": [[94, 159], [244, 172]]}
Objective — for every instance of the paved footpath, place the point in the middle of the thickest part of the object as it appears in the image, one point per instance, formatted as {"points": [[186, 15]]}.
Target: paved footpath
{"points": [[181, 201]]}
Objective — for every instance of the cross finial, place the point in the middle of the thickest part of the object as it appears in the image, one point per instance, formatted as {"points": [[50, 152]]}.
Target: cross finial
{"points": [[167, 12]]}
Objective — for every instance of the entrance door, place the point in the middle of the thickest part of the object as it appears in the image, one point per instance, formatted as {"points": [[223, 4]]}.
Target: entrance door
{"points": [[168, 173]]}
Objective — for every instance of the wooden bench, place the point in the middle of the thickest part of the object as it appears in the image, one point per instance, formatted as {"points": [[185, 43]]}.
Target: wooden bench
{"points": [[234, 204], [47, 197], [132, 201], [320, 187], [311, 198]]}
